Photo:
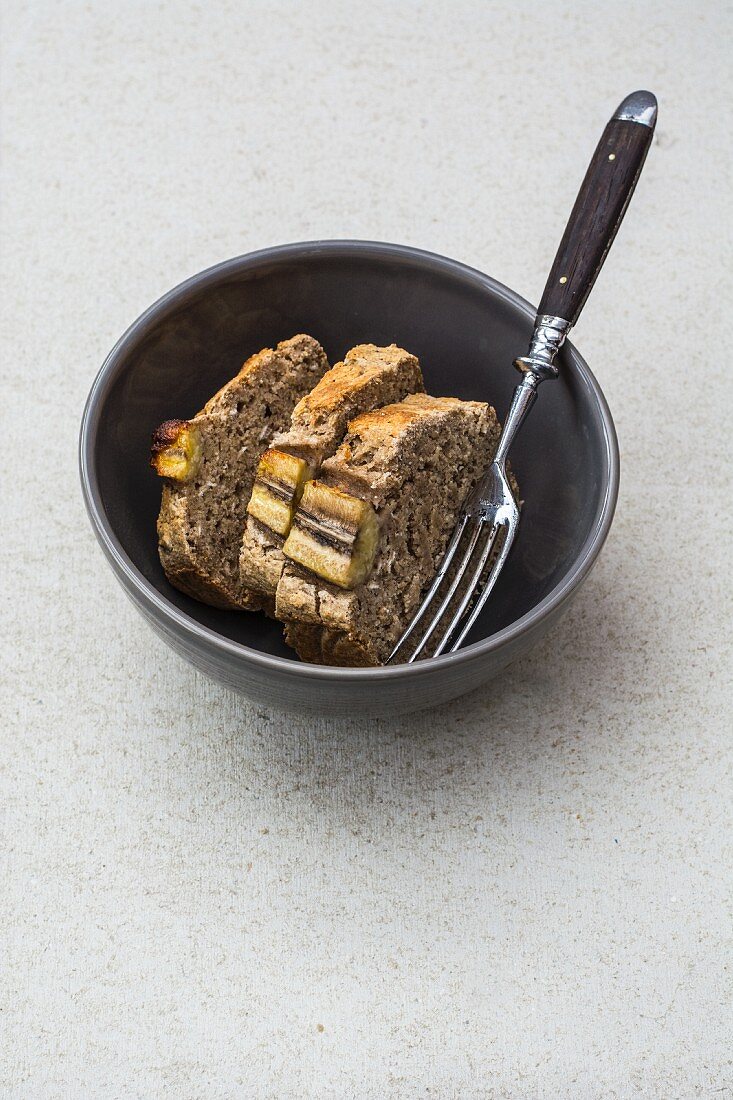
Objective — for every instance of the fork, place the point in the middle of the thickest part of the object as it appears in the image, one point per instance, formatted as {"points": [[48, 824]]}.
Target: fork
{"points": [[489, 518]]}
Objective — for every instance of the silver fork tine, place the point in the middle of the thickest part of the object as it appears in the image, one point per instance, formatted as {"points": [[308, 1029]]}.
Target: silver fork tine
{"points": [[439, 577], [454, 585], [485, 592], [470, 591]]}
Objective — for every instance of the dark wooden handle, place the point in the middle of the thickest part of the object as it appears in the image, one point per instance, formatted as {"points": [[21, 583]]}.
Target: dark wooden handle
{"points": [[601, 204]]}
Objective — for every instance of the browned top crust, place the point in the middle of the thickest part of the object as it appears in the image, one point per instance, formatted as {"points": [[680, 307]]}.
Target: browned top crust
{"points": [[360, 367], [383, 427], [297, 349]]}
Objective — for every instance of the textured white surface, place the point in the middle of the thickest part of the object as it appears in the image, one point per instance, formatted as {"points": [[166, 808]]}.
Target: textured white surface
{"points": [[521, 895]]}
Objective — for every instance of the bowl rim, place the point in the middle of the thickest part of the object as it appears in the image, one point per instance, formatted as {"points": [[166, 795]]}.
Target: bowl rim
{"points": [[341, 248]]}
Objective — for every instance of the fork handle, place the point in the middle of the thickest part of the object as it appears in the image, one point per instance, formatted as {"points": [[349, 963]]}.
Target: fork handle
{"points": [[600, 206]]}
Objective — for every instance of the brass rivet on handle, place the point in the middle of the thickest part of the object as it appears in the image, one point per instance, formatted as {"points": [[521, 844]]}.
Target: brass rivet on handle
{"points": [[563, 278], [611, 156]]}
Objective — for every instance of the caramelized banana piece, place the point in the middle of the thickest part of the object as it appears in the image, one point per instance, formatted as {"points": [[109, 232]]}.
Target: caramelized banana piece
{"points": [[334, 535], [277, 490], [176, 450]]}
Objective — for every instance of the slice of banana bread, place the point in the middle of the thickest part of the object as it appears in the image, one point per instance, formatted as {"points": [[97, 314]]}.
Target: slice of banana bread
{"points": [[209, 466], [377, 522], [368, 377]]}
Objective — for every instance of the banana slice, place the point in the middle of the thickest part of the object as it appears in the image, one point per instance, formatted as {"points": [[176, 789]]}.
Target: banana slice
{"points": [[277, 490], [176, 450], [334, 535]]}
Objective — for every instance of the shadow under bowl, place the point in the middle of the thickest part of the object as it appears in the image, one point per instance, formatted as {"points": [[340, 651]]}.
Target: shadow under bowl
{"points": [[466, 329]]}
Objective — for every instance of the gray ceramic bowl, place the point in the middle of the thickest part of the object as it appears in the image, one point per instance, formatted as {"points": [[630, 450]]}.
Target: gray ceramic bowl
{"points": [[466, 329]]}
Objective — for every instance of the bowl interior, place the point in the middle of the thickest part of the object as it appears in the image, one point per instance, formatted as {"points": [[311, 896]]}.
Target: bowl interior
{"points": [[466, 331]]}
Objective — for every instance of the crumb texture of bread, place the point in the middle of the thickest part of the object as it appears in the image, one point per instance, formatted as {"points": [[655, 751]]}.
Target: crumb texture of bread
{"points": [[202, 519], [415, 462], [368, 377]]}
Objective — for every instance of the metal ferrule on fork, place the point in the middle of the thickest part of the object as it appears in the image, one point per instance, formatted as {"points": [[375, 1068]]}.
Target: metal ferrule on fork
{"points": [[547, 339]]}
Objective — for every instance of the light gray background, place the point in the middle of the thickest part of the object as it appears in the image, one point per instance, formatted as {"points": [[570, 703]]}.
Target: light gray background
{"points": [[519, 895]]}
